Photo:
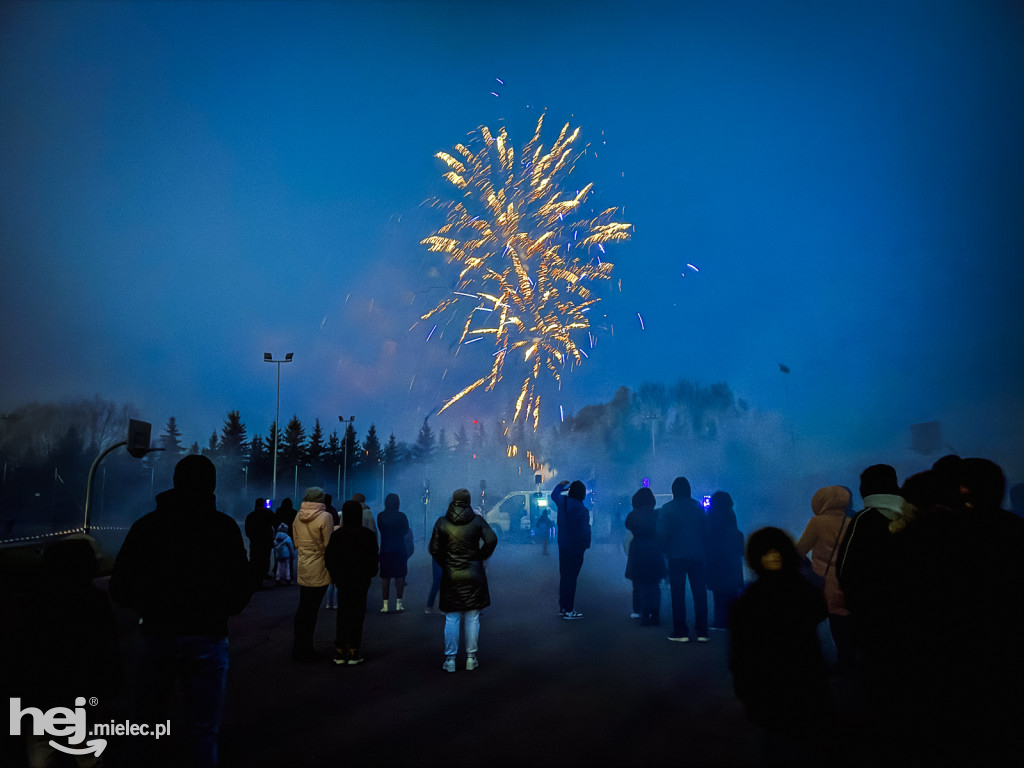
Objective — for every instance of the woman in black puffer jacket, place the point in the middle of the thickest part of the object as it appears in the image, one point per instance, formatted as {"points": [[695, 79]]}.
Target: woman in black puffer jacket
{"points": [[460, 543]]}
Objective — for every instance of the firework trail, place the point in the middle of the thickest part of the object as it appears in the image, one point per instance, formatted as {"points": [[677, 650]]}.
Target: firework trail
{"points": [[528, 256]]}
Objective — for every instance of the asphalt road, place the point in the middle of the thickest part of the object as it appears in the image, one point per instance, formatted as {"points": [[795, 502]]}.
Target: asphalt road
{"points": [[601, 691]]}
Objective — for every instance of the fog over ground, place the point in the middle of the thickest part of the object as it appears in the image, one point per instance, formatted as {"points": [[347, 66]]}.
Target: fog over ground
{"points": [[826, 201]]}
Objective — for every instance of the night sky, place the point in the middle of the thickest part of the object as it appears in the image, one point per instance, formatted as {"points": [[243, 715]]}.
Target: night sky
{"points": [[189, 185]]}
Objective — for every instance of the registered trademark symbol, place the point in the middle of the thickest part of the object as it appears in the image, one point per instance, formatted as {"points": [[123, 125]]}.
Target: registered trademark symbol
{"points": [[93, 701]]}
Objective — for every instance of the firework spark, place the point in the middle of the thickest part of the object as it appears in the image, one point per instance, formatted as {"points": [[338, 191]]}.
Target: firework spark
{"points": [[524, 246]]}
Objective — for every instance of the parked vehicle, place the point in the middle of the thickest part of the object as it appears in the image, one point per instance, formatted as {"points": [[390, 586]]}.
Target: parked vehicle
{"points": [[517, 513]]}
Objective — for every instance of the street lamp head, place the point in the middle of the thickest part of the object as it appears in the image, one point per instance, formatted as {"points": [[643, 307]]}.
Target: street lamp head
{"points": [[288, 357], [267, 357]]}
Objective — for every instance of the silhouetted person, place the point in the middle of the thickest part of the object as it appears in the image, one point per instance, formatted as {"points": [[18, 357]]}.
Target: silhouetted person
{"points": [[962, 597], [352, 561], [645, 565], [682, 531], [460, 543], [573, 542], [868, 567], [1017, 499], [724, 556], [285, 514], [542, 530], [311, 533], [183, 570], [62, 642], [821, 537], [396, 547], [332, 510], [260, 528], [332, 589], [778, 669]]}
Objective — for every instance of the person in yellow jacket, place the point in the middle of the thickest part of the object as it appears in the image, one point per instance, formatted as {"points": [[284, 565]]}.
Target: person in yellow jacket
{"points": [[311, 531]]}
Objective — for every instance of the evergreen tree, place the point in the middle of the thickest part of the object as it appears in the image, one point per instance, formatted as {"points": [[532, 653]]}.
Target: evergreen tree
{"points": [[194, 450], [234, 443], [271, 435], [423, 448], [349, 447], [461, 441], [293, 449], [316, 451], [170, 440], [392, 454], [479, 437], [332, 454], [211, 448], [259, 461], [164, 461], [370, 456]]}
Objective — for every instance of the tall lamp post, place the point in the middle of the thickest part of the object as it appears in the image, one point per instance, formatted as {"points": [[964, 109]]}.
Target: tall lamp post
{"points": [[343, 492], [269, 358]]}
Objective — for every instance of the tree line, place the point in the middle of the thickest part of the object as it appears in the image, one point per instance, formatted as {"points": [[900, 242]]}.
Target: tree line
{"points": [[47, 448]]}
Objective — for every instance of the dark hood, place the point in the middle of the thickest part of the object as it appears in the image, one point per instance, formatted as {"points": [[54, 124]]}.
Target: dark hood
{"points": [[458, 514]]}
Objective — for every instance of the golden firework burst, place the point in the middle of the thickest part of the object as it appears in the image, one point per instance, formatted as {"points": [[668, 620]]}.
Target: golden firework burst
{"points": [[528, 256]]}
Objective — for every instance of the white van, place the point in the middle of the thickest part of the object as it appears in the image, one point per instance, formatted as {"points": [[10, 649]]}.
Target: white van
{"points": [[519, 511]]}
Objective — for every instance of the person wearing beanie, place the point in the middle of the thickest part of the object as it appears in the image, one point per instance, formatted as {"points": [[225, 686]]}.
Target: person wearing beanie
{"points": [[573, 523], [682, 531], [311, 532], [460, 543], [183, 588], [868, 568]]}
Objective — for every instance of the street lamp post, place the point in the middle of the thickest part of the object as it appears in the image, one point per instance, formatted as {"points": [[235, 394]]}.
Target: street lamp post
{"points": [[269, 358], [344, 454]]}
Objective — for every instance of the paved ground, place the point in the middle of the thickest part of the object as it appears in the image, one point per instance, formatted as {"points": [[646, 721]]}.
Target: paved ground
{"points": [[602, 691], [597, 692]]}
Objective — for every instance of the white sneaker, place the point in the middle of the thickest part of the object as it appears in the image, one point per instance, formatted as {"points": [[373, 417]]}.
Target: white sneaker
{"points": [[702, 639], [572, 615], [679, 639], [398, 606], [449, 665], [385, 608], [471, 663]]}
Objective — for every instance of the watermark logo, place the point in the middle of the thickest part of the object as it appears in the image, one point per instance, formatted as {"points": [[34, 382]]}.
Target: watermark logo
{"points": [[59, 722], [70, 724]]}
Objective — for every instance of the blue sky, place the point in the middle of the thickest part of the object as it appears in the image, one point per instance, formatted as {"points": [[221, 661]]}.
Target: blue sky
{"points": [[189, 185]]}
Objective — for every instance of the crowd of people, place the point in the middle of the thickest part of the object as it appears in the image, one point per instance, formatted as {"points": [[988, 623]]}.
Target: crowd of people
{"points": [[921, 589]]}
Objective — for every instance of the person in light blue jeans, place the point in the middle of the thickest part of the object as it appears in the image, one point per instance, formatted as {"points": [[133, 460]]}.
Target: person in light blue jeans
{"points": [[460, 543]]}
